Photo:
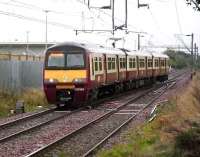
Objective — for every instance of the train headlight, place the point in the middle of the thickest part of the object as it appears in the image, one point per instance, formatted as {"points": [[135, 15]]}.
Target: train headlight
{"points": [[51, 80], [79, 80]]}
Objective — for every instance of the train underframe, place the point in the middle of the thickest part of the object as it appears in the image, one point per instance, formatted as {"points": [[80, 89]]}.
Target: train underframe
{"points": [[80, 95]]}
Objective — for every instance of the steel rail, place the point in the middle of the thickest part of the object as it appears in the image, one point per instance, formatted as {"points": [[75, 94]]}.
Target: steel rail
{"points": [[28, 117], [98, 145], [12, 122], [37, 126], [75, 132]]}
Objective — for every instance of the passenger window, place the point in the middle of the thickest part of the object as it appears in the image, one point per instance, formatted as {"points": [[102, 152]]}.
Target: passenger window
{"points": [[92, 67], [100, 64], [130, 63], [113, 63], [150, 63], [122, 63], [156, 63], [134, 64], [142, 63], [95, 64]]}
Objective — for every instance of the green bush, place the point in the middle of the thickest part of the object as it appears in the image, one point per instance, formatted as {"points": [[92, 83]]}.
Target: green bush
{"points": [[188, 144]]}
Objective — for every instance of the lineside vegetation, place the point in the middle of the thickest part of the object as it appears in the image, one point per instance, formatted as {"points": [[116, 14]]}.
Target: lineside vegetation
{"points": [[31, 97]]}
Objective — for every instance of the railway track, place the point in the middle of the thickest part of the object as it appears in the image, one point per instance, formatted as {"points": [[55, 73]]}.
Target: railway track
{"points": [[50, 116], [109, 123], [26, 118], [24, 125]]}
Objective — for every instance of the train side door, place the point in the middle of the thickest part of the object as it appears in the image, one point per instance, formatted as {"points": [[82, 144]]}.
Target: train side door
{"points": [[92, 73], [146, 67], [117, 66], [105, 68], [138, 67]]}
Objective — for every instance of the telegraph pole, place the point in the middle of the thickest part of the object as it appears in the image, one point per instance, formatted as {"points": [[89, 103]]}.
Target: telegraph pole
{"points": [[195, 53], [192, 51], [27, 41]]}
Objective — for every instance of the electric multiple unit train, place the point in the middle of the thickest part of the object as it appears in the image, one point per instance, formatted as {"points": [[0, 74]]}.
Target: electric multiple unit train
{"points": [[77, 74]]}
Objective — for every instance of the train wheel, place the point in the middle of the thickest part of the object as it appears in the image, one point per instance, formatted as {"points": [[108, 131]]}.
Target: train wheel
{"points": [[127, 86], [93, 96], [58, 105], [118, 88]]}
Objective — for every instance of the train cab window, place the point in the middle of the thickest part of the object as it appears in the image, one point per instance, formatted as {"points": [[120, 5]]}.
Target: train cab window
{"points": [[122, 62], [132, 63], [150, 63], [75, 60], [142, 63], [56, 60]]}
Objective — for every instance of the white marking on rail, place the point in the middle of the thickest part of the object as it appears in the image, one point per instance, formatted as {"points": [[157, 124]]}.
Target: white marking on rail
{"points": [[110, 109], [125, 113], [136, 105], [129, 110], [85, 111], [63, 111]]}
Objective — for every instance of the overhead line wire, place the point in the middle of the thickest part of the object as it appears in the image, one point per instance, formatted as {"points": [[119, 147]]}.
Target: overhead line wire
{"points": [[35, 19]]}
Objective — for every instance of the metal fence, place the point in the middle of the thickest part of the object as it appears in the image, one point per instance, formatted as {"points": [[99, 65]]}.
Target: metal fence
{"points": [[18, 75], [20, 57]]}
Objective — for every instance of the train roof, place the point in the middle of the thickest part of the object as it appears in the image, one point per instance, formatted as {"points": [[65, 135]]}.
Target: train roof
{"points": [[160, 55], [139, 53], [93, 48]]}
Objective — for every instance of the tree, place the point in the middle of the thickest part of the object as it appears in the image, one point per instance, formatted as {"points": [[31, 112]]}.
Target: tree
{"points": [[179, 59], [195, 3]]}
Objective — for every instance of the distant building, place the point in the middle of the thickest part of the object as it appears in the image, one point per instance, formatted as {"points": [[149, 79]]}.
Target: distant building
{"points": [[31, 48]]}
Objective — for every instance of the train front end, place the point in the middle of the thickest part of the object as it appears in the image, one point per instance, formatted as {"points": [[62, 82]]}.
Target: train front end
{"points": [[65, 75]]}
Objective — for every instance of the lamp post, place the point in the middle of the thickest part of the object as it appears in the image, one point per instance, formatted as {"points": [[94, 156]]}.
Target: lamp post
{"points": [[139, 43], [192, 47], [27, 41], [113, 16]]}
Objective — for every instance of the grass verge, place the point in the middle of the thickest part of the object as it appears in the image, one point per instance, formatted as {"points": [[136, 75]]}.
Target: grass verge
{"points": [[31, 97]]}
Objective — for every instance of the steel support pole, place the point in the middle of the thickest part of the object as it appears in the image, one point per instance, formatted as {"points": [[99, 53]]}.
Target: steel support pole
{"points": [[27, 41], [46, 32], [192, 51], [126, 15], [113, 17], [138, 41]]}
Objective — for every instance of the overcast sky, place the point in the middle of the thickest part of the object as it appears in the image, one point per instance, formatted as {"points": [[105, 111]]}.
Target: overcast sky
{"points": [[161, 21]]}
